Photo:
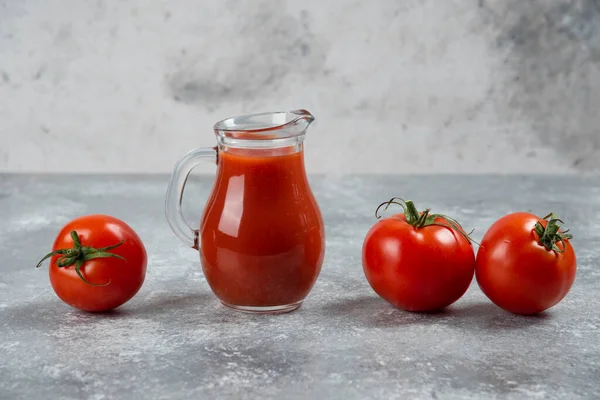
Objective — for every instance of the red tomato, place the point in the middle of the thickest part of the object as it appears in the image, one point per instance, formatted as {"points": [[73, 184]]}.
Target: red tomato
{"points": [[112, 261], [519, 271], [417, 261]]}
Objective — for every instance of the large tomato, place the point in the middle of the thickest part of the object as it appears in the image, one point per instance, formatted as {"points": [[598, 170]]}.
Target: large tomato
{"points": [[525, 264], [97, 263], [417, 261]]}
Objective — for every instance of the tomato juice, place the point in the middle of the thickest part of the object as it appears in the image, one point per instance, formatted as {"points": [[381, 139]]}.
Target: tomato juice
{"points": [[262, 235]]}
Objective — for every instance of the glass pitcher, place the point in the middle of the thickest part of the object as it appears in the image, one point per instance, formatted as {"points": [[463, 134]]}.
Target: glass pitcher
{"points": [[261, 238]]}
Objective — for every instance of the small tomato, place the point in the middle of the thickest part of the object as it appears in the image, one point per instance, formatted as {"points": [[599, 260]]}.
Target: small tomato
{"points": [[418, 261], [97, 263], [525, 264]]}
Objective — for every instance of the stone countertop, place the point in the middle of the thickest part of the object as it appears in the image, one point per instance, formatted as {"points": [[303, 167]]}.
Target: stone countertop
{"points": [[174, 340]]}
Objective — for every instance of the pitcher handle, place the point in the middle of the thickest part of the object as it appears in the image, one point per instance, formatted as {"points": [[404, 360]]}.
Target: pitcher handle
{"points": [[173, 209]]}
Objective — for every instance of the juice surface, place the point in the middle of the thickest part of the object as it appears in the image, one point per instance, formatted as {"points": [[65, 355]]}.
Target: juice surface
{"points": [[262, 234]]}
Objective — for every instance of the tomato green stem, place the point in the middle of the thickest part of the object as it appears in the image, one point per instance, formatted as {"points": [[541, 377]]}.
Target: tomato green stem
{"points": [[79, 254], [423, 219], [551, 235], [413, 216]]}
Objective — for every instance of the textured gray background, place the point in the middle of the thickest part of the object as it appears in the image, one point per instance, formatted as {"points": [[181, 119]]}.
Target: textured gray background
{"points": [[397, 86], [173, 340]]}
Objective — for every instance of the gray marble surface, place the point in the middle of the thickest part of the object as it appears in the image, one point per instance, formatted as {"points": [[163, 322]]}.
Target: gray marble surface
{"points": [[483, 85], [173, 340]]}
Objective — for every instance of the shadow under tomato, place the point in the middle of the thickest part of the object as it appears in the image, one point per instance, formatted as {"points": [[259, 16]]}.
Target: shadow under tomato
{"points": [[165, 303], [109, 314], [374, 312], [486, 309], [487, 316]]}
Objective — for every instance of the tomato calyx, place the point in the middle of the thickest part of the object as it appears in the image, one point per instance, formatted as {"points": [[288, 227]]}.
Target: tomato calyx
{"points": [[423, 219], [551, 235], [79, 254]]}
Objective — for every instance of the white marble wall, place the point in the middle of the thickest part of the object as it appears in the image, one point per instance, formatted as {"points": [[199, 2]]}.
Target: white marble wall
{"points": [[413, 86]]}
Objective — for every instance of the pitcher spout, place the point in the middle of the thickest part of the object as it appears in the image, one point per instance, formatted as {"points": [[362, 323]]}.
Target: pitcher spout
{"points": [[302, 120]]}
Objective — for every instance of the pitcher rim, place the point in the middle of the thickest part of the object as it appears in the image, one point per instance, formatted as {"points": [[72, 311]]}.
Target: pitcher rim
{"points": [[300, 115]]}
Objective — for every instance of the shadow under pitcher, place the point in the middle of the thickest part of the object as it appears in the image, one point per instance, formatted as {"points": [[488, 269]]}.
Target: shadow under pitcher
{"points": [[261, 238]]}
